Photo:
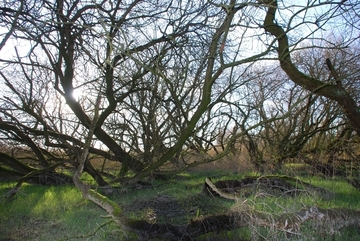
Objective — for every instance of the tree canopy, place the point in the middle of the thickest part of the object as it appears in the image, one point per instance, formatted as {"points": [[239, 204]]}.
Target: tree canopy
{"points": [[172, 79], [157, 87]]}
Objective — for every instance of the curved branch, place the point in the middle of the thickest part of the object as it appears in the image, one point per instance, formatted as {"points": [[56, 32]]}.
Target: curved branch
{"points": [[333, 92]]}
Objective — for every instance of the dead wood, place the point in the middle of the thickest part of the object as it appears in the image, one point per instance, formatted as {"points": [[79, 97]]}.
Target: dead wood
{"points": [[210, 188], [267, 185], [328, 221]]}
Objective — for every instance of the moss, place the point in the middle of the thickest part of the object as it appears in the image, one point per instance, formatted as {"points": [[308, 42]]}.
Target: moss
{"points": [[105, 202]]}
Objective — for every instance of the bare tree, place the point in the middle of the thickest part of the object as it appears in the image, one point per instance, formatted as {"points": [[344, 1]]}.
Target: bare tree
{"points": [[337, 91], [170, 77], [154, 69], [287, 116]]}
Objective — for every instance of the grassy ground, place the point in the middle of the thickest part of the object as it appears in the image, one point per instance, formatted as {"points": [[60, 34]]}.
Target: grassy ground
{"points": [[60, 213], [56, 213]]}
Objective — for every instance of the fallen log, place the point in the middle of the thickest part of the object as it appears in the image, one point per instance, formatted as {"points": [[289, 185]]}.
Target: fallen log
{"points": [[266, 185], [210, 188]]}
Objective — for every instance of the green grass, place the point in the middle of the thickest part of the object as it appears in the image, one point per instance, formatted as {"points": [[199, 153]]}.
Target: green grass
{"points": [[40, 213], [345, 195], [60, 213]]}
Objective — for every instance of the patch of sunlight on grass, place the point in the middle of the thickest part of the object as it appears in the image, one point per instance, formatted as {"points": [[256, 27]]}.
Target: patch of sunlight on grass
{"points": [[87, 178], [40, 212], [57, 199], [6, 185], [184, 174], [295, 165], [345, 195]]}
